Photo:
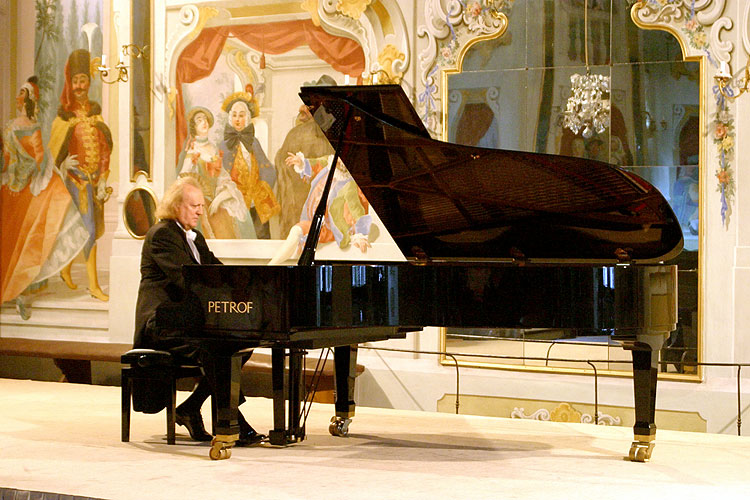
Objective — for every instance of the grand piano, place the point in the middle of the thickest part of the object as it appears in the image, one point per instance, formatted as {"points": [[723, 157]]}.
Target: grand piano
{"points": [[492, 238]]}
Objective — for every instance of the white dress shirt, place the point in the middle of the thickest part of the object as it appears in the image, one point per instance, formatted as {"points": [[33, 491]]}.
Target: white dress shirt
{"points": [[190, 234]]}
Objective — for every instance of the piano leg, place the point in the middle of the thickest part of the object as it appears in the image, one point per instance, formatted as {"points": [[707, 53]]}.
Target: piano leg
{"points": [[223, 367], [345, 364], [296, 395], [645, 353], [280, 435]]}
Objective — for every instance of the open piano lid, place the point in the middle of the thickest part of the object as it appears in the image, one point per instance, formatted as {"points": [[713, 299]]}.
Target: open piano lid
{"points": [[443, 201]]}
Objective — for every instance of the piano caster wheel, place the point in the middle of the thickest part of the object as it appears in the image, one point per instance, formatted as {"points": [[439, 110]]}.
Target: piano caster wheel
{"points": [[339, 426], [640, 451], [220, 450]]}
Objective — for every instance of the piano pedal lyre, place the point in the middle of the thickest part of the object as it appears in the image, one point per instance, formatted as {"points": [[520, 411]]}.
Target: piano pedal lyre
{"points": [[339, 426]]}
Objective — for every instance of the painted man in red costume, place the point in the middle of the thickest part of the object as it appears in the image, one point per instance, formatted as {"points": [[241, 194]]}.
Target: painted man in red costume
{"points": [[81, 144]]}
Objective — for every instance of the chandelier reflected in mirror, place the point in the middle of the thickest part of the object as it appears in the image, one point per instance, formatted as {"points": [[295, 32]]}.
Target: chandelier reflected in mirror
{"points": [[589, 104]]}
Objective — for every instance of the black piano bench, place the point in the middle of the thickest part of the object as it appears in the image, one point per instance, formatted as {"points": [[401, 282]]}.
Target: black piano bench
{"points": [[150, 377]]}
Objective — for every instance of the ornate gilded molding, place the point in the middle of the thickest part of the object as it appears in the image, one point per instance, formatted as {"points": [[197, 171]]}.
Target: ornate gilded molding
{"points": [[385, 72], [352, 8], [381, 31], [450, 30], [699, 26]]}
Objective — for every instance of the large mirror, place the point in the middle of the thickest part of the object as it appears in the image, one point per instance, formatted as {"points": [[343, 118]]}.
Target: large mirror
{"points": [[140, 74], [511, 92]]}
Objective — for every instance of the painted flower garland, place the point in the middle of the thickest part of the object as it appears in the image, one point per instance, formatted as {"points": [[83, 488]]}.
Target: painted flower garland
{"points": [[723, 137], [722, 128]]}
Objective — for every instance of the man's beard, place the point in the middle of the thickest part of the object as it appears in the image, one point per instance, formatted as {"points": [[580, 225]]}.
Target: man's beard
{"points": [[81, 95]]}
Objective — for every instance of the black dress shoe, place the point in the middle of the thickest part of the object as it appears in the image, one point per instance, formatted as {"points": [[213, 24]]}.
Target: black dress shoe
{"points": [[248, 435], [250, 438], [194, 424]]}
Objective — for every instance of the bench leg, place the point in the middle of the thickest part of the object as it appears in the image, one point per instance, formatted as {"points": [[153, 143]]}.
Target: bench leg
{"points": [[127, 387], [171, 411]]}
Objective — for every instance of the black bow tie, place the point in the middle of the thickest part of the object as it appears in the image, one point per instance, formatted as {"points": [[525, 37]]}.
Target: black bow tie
{"points": [[245, 136]]}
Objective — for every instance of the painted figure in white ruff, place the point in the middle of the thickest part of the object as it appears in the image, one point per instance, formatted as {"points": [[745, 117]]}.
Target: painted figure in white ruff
{"points": [[246, 162]]}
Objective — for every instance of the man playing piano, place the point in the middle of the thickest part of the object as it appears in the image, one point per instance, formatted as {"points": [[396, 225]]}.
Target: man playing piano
{"points": [[170, 244]]}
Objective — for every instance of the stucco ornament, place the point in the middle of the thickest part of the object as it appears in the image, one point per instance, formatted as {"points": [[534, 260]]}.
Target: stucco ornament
{"points": [[565, 413], [449, 30], [353, 8], [386, 72]]}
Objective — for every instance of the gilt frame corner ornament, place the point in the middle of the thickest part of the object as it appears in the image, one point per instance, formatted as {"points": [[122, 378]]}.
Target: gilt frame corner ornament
{"points": [[450, 31]]}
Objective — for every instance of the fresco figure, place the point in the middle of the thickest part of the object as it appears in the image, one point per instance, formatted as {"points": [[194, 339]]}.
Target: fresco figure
{"points": [[686, 197], [42, 230], [247, 164], [307, 138], [81, 144], [227, 216], [346, 220]]}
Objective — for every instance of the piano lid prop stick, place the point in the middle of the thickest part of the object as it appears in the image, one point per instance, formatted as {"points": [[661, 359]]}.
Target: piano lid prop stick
{"points": [[308, 253]]}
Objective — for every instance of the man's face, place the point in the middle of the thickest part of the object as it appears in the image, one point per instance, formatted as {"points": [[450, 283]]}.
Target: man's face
{"points": [[238, 115], [80, 84], [191, 207], [304, 114]]}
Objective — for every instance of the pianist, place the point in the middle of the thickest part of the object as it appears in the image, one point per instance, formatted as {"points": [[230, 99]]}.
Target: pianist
{"points": [[170, 244]]}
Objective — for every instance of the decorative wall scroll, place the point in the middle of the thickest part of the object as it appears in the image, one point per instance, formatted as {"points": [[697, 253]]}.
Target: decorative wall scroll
{"points": [[449, 31], [565, 412], [699, 24]]}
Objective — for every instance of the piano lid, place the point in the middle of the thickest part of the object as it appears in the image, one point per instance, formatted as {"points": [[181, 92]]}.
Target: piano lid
{"points": [[444, 201]]}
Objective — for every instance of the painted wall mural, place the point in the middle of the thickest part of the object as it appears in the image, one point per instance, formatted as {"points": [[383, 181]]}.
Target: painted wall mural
{"points": [[55, 158], [254, 193]]}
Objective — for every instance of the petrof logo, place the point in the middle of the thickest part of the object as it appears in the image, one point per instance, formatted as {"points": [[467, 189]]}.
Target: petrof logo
{"points": [[229, 307]]}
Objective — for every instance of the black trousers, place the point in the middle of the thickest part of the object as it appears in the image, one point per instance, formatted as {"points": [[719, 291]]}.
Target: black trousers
{"points": [[187, 353]]}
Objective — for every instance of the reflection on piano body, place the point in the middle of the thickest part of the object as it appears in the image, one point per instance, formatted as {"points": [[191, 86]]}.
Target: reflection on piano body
{"points": [[493, 239]]}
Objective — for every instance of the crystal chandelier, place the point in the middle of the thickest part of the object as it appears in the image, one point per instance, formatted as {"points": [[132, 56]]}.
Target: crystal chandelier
{"points": [[588, 106]]}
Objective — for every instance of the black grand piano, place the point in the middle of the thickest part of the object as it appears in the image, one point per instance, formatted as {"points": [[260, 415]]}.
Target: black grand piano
{"points": [[548, 241]]}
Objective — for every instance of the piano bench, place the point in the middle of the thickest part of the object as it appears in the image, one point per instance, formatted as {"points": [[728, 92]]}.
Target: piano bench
{"points": [[256, 377], [149, 378]]}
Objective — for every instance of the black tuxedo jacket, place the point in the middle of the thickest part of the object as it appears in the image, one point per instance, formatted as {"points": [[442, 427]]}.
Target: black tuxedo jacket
{"points": [[165, 251]]}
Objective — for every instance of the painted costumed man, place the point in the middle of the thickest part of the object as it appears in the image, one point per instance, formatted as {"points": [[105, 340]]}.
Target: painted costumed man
{"points": [[81, 144], [246, 162]]}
